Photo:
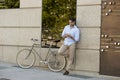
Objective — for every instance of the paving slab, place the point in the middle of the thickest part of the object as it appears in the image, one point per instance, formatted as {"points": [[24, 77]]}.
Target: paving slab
{"points": [[12, 72]]}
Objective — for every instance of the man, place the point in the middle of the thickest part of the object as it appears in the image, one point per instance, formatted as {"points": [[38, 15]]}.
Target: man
{"points": [[71, 35]]}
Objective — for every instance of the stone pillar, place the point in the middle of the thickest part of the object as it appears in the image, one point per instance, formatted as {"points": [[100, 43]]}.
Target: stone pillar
{"points": [[30, 3], [89, 21]]}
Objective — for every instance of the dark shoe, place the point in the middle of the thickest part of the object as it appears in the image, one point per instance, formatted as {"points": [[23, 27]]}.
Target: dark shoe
{"points": [[66, 73]]}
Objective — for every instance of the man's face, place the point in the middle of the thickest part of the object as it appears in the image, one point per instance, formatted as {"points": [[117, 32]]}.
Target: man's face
{"points": [[71, 23]]}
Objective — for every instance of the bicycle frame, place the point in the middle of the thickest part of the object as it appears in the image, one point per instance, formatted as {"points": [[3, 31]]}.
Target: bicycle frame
{"points": [[38, 53]]}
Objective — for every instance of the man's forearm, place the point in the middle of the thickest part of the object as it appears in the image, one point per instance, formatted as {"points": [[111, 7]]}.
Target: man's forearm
{"points": [[68, 35], [64, 36]]}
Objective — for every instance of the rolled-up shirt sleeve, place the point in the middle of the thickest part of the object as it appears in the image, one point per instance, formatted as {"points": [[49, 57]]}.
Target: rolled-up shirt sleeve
{"points": [[77, 35]]}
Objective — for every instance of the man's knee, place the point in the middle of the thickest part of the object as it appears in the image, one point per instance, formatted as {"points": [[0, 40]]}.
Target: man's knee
{"points": [[59, 51]]}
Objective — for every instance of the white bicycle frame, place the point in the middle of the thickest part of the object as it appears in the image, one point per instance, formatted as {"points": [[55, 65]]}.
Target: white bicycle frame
{"points": [[39, 53]]}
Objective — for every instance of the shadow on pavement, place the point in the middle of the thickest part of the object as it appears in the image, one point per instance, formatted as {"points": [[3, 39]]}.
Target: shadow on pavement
{"points": [[4, 79], [80, 76]]}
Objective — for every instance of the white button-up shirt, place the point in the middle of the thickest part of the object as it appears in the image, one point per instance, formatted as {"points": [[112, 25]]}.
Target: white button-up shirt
{"points": [[74, 32]]}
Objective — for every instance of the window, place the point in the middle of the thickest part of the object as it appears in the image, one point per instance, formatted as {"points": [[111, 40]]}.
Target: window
{"points": [[7, 4], [55, 16]]}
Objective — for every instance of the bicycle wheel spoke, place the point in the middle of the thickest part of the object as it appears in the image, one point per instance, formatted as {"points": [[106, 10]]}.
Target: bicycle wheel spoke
{"points": [[56, 62], [25, 59]]}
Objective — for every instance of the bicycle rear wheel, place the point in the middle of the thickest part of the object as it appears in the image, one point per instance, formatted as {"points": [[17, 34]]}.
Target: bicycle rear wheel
{"points": [[25, 58], [56, 62]]}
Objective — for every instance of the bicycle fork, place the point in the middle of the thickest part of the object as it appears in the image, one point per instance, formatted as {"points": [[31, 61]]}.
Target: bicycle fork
{"points": [[29, 52]]}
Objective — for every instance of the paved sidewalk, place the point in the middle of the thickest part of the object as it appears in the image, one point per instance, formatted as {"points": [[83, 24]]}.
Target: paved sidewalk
{"points": [[12, 72]]}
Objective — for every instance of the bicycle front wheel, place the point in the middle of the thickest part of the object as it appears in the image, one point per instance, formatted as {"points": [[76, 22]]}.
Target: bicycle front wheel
{"points": [[25, 58], [56, 62]]}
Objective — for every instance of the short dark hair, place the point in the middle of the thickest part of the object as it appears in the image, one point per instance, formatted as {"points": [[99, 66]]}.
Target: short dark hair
{"points": [[72, 19]]}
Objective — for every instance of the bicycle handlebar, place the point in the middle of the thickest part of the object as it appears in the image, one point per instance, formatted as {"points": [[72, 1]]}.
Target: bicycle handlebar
{"points": [[34, 40]]}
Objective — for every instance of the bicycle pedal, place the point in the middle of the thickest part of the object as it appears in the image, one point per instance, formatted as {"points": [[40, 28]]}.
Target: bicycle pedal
{"points": [[44, 62]]}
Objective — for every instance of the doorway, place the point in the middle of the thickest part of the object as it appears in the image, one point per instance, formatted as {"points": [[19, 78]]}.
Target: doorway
{"points": [[110, 38]]}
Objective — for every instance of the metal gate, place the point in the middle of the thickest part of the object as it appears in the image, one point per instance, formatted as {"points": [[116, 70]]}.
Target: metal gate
{"points": [[110, 38]]}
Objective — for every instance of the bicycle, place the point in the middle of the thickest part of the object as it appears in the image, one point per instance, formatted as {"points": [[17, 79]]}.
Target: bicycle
{"points": [[26, 58]]}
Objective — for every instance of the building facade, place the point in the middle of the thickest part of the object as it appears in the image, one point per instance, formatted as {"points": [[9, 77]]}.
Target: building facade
{"points": [[18, 26]]}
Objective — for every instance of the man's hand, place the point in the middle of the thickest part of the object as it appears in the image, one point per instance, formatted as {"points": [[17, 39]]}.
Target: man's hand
{"points": [[65, 36], [68, 35]]}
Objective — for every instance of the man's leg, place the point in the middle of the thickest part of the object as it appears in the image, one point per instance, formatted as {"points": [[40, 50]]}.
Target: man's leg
{"points": [[62, 50], [71, 57]]}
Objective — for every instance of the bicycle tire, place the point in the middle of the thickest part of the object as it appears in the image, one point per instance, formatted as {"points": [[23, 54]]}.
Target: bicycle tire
{"points": [[56, 62], [25, 59]]}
